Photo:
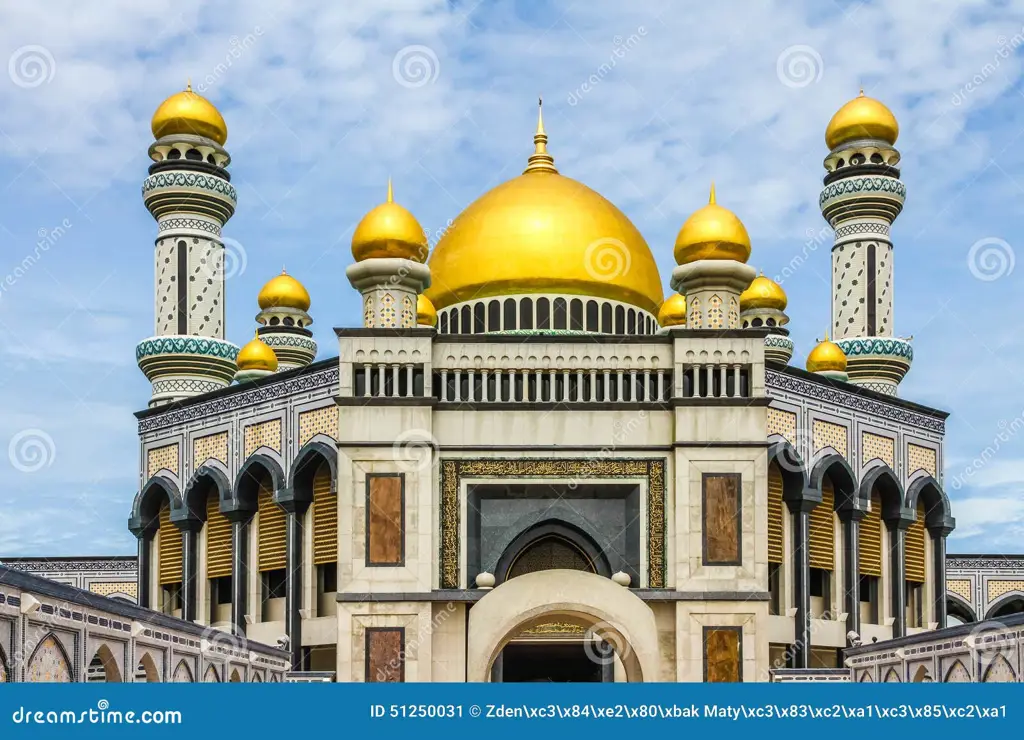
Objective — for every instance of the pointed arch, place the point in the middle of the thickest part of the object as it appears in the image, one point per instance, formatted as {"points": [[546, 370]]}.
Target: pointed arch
{"points": [[212, 675], [865, 677], [235, 677], [791, 467], [957, 606], [921, 675], [103, 666], [4, 673], [146, 671], [938, 512], [957, 673], [891, 676], [307, 462], [834, 468], [999, 671], [882, 480], [257, 468], [255, 677], [577, 538], [183, 673], [210, 477], [1011, 603], [150, 500], [49, 662]]}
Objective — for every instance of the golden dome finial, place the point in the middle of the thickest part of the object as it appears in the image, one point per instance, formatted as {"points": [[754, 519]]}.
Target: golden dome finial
{"points": [[711, 198], [389, 231], [862, 118], [283, 291], [256, 355], [763, 293], [672, 311], [188, 112], [540, 160], [827, 357], [712, 233], [391, 192]]}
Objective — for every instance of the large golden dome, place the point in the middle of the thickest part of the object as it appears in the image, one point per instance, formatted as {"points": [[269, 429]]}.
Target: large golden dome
{"points": [[389, 230], [673, 311], [712, 233], [256, 355], [543, 233], [284, 291], [188, 112], [862, 118], [763, 293], [826, 357]]}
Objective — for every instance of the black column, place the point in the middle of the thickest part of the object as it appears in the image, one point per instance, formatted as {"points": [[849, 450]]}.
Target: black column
{"points": [[144, 564], [939, 567], [851, 519], [189, 567], [293, 584], [801, 582], [897, 576], [239, 570]]}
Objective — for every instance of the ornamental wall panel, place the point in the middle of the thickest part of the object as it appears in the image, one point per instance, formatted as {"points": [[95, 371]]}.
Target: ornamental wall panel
{"points": [[875, 446], [210, 447], [162, 458], [264, 434]]}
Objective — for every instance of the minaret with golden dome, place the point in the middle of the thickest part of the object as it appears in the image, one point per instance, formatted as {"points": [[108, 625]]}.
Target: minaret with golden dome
{"points": [[861, 198], [255, 360], [189, 193], [828, 359], [763, 305], [284, 321], [711, 252], [389, 247]]}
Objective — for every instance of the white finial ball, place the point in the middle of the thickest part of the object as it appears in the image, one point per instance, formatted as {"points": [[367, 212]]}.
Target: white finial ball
{"points": [[485, 580], [621, 578]]}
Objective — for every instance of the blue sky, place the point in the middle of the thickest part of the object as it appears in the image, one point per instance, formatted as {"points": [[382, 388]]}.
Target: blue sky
{"points": [[322, 105]]}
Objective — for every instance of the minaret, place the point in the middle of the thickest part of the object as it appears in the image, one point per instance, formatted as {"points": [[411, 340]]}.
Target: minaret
{"points": [[255, 360], [189, 193], [284, 319], [828, 359], [763, 305], [389, 247], [711, 252], [861, 198]]}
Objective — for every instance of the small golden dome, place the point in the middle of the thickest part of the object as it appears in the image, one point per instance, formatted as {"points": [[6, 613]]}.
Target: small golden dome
{"points": [[862, 118], [542, 232], [712, 233], [763, 293], [826, 357], [425, 313], [673, 311], [256, 355], [188, 112], [389, 230], [284, 291]]}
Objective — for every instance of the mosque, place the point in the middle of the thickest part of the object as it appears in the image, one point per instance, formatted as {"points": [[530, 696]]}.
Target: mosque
{"points": [[528, 463]]}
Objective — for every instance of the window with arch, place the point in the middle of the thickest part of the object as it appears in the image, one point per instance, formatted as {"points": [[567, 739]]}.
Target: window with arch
{"points": [[559, 311], [509, 309], [593, 316], [606, 318], [526, 313], [620, 320], [466, 320], [576, 315], [494, 316], [631, 321], [543, 313]]}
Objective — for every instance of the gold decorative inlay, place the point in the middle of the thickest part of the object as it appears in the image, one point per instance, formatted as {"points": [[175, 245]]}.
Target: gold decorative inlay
{"points": [[921, 458], [452, 471], [162, 458], [782, 423], [1000, 588], [264, 434], [210, 447], [318, 421], [960, 587], [554, 629], [830, 434], [874, 446]]}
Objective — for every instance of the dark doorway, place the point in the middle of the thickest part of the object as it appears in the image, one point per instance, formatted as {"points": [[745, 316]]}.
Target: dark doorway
{"points": [[555, 663]]}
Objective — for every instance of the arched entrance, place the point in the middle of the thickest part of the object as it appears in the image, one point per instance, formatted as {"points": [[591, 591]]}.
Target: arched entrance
{"points": [[610, 623]]}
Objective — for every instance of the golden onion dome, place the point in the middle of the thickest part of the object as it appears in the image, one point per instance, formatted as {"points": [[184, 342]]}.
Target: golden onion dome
{"points": [[712, 233], [826, 357], [389, 230], [425, 313], [763, 293], [542, 232], [673, 311], [284, 291], [862, 118], [188, 112], [256, 355]]}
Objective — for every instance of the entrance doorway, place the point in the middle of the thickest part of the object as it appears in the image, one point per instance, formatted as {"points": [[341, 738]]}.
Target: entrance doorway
{"points": [[564, 662]]}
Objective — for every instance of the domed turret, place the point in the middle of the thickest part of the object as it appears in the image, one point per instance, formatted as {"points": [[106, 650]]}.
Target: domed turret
{"points": [[827, 359], [284, 291], [763, 293], [763, 304], [188, 112], [673, 311], [425, 313], [255, 360], [862, 118], [387, 231], [284, 319], [712, 233]]}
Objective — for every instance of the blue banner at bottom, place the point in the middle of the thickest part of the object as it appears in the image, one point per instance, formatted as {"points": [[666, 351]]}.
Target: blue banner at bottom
{"points": [[498, 710]]}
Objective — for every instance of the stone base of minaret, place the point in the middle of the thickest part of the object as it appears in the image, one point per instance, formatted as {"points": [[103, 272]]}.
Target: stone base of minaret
{"points": [[712, 289], [877, 363], [778, 347], [389, 287], [180, 367]]}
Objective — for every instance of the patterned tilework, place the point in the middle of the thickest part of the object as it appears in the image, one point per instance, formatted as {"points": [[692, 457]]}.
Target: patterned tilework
{"points": [[388, 315], [265, 434], [182, 674], [49, 664], [875, 446], [694, 321], [128, 588], [318, 421], [159, 458], [782, 422], [829, 434], [999, 588], [961, 587], [921, 458], [213, 446], [999, 671], [408, 312], [715, 319]]}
